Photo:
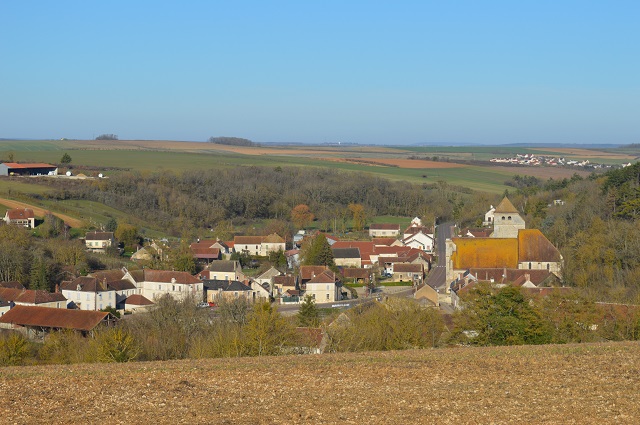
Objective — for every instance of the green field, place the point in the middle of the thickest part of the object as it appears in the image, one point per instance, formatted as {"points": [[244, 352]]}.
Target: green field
{"points": [[144, 158]]}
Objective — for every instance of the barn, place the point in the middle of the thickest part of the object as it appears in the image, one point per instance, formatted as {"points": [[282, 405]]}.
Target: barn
{"points": [[33, 169]]}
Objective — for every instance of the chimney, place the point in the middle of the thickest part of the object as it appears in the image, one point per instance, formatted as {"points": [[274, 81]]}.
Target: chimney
{"points": [[57, 289]]}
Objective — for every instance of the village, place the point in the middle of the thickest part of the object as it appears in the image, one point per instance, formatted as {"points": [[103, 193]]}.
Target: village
{"points": [[502, 252], [529, 159]]}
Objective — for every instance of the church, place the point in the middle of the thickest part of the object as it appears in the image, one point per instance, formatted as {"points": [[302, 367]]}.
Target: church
{"points": [[510, 246]]}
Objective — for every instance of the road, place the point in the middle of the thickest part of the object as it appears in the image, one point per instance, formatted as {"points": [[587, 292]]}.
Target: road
{"points": [[437, 275]]}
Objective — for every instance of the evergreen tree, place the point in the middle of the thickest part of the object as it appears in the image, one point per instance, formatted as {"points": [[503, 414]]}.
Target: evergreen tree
{"points": [[319, 253], [308, 315], [111, 225], [39, 275], [66, 159]]}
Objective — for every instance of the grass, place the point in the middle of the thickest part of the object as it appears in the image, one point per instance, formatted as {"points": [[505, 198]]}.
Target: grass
{"points": [[382, 283]]}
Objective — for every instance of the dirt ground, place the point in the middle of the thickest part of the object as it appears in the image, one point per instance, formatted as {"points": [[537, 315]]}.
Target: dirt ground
{"points": [[40, 212], [572, 384]]}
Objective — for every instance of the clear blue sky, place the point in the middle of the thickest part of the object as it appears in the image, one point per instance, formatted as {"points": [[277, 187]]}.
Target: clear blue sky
{"points": [[396, 72]]}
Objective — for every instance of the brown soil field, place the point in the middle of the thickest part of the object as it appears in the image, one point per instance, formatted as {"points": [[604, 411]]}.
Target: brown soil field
{"points": [[571, 384], [409, 163], [40, 212], [197, 146], [587, 153]]}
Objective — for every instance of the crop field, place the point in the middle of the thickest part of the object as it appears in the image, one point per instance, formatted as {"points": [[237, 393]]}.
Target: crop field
{"points": [[560, 384], [397, 163]]}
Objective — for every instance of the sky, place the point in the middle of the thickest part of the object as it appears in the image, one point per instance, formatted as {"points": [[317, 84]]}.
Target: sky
{"points": [[370, 72]]}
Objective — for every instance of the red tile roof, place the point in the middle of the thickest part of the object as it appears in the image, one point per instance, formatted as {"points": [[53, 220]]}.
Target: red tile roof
{"points": [[137, 299], [309, 272], [166, 276], [82, 320], [99, 236], [248, 240], [20, 213], [31, 165]]}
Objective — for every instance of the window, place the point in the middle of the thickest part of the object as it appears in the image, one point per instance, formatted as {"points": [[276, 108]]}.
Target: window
{"points": [[503, 217], [87, 297], [529, 265], [548, 266], [509, 218], [314, 296], [327, 296]]}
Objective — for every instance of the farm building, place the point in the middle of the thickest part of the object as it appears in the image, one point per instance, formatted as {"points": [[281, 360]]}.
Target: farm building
{"points": [[34, 169], [20, 217]]}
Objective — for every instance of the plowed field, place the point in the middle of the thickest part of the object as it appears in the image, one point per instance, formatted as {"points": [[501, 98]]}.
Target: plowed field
{"points": [[572, 384]]}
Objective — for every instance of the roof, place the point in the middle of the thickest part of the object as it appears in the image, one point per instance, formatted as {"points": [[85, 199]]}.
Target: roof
{"points": [[83, 320], [20, 213], [505, 206], [272, 272], [99, 236], [384, 226], [485, 252], [346, 252], [534, 246], [29, 296], [406, 268], [309, 272], [285, 280], [353, 272], [109, 275], [217, 284], [85, 284], [366, 248], [137, 299], [326, 276], [223, 266], [121, 285], [168, 276], [206, 253], [12, 284], [248, 240], [383, 241], [29, 165], [273, 238]]}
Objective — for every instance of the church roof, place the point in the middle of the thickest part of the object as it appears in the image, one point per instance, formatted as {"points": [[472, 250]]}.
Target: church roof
{"points": [[505, 206], [485, 253], [534, 246]]}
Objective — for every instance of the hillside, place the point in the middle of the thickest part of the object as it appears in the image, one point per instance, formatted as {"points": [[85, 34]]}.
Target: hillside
{"points": [[590, 383]]}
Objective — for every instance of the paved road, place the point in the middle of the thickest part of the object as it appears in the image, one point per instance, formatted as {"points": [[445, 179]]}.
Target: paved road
{"points": [[437, 276]]}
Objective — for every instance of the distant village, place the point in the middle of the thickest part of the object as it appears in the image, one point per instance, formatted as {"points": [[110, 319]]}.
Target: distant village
{"points": [[532, 160]]}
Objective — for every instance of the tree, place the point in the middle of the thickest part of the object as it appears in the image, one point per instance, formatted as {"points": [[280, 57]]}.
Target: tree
{"points": [[301, 216], [266, 331], [319, 252], [358, 216], [127, 234], [505, 317], [185, 263], [116, 345], [278, 259], [111, 225], [39, 274], [308, 315], [107, 137], [66, 159]]}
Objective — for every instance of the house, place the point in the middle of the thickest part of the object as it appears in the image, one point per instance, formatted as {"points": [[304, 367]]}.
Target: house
{"points": [[99, 241], [267, 277], [367, 250], [309, 272], [37, 321], [293, 258], [10, 297], [89, 293], [282, 284], [259, 245], [417, 238], [357, 275], [407, 272], [223, 270], [428, 294], [31, 169], [384, 230], [309, 341], [20, 217], [205, 252], [142, 254], [347, 257], [489, 217], [217, 290], [179, 285], [324, 287], [137, 303]]}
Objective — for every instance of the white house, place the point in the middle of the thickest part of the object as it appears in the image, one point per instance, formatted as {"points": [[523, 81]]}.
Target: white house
{"points": [[89, 293], [20, 217], [323, 287], [384, 230], [99, 241], [419, 240]]}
